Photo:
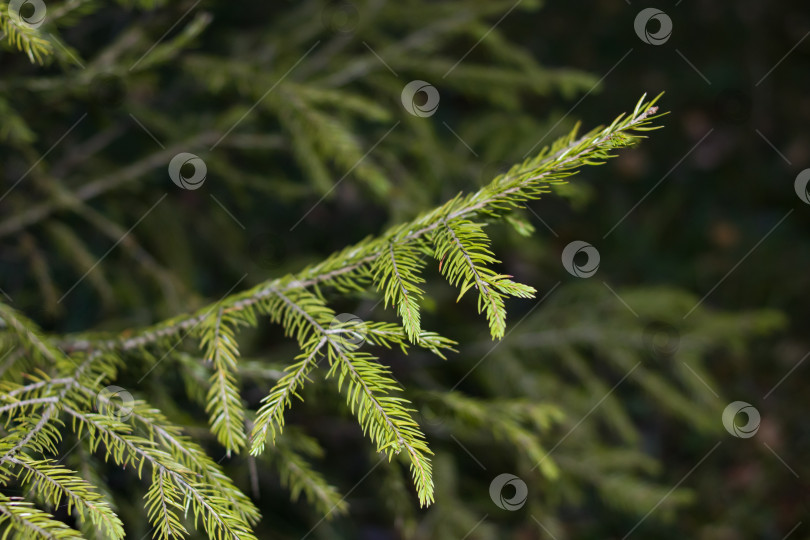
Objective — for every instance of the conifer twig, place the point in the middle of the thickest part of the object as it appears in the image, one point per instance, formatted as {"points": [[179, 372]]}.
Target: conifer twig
{"points": [[525, 181]]}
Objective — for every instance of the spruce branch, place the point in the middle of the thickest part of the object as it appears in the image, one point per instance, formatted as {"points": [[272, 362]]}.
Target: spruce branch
{"points": [[225, 409], [270, 416], [384, 418], [182, 475], [466, 249], [36, 430], [523, 182], [24, 37], [52, 482], [209, 507], [20, 516], [156, 428], [397, 275], [163, 507]]}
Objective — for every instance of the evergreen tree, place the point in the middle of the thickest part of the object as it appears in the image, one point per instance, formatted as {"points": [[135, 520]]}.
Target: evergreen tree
{"points": [[169, 300]]}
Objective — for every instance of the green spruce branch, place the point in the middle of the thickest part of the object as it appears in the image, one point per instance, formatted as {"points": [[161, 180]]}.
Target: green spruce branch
{"points": [[355, 264], [184, 484]]}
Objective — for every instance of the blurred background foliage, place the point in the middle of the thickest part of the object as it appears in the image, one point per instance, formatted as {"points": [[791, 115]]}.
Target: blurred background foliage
{"points": [[603, 397]]}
